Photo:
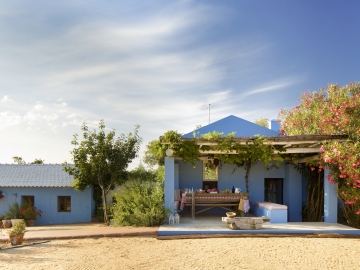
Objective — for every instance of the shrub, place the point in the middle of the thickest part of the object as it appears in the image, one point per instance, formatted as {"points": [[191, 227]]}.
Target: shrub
{"points": [[29, 212], [13, 210], [140, 203], [18, 228]]}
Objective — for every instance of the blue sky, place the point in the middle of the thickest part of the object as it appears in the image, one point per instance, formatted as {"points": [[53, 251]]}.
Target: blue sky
{"points": [[159, 63]]}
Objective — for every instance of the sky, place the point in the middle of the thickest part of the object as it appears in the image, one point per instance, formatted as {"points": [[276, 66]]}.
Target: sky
{"points": [[159, 64]]}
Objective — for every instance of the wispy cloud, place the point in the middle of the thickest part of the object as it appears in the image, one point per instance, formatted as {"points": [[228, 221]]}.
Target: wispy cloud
{"points": [[274, 86]]}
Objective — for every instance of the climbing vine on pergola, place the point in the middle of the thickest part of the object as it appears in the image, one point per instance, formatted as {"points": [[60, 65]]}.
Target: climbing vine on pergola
{"points": [[227, 148]]}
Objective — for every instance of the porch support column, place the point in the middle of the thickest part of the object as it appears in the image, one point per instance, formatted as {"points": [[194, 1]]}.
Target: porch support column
{"points": [[330, 200], [169, 184]]}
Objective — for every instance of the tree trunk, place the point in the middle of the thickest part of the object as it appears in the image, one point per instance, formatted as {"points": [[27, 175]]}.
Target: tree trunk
{"points": [[106, 218], [248, 168]]}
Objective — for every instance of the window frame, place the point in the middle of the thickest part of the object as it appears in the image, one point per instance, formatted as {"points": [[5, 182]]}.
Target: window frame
{"points": [[216, 172], [67, 204], [28, 199]]}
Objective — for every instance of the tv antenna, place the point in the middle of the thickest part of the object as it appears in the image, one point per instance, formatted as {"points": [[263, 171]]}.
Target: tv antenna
{"points": [[207, 107], [209, 112]]}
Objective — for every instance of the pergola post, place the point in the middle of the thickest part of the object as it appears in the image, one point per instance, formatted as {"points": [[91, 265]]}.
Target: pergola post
{"points": [[169, 184], [330, 200]]}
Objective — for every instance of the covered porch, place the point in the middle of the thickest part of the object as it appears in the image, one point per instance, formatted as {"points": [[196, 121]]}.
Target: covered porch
{"points": [[276, 183]]}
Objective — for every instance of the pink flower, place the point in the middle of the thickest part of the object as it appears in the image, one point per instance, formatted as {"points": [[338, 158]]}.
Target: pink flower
{"points": [[312, 168]]}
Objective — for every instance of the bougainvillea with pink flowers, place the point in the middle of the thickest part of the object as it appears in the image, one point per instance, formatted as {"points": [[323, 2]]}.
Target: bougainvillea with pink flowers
{"points": [[335, 111]]}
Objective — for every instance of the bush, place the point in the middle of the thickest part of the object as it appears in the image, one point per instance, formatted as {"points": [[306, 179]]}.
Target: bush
{"points": [[18, 228], [13, 210], [140, 204]]}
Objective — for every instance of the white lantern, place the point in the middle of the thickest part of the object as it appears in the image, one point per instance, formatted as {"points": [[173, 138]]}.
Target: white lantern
{"points": [[169, 152]]}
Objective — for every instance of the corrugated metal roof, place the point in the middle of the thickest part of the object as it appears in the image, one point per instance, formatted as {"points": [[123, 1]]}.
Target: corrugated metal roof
{"points": [[34, 175]]}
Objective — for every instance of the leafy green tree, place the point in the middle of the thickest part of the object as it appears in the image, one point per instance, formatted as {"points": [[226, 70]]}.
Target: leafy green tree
{"points": [[18, 160], [154, 153], [37, 161], [101, 159], [264, 122]]}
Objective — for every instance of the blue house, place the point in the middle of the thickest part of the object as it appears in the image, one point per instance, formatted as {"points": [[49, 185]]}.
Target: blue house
{"points": [[48, 187], [281, 184]]}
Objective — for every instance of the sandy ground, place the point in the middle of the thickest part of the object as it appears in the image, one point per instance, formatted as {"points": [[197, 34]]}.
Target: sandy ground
{"points": [[210, 253]]}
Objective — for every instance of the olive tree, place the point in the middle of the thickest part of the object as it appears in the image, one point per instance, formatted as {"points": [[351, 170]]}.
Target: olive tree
{"points": [[101, 159]]}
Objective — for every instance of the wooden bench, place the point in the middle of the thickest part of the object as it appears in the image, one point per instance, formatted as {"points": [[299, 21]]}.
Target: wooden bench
{"points": [[211, 200]]}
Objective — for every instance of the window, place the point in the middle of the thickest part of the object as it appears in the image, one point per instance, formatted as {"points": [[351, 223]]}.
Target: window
{"points": [[64, 204], [210, 175], [29, 200], [210, 171]]}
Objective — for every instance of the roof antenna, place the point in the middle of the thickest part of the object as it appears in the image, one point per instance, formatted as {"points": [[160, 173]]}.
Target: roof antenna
{"points": [[209, 112]]}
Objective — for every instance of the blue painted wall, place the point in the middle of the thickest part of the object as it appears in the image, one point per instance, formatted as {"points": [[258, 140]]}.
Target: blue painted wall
{"points": [[231, 175], [46, 199], [293, 190]]}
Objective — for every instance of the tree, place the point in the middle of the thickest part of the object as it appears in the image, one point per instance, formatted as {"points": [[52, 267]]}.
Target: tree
{"points": [[264, 122], [335, 110], [102, 160], [18, 160], [37, 161], [154, 153]]}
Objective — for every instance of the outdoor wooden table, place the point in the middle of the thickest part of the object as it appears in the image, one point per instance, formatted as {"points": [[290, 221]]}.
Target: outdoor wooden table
{"points": [[212, 200]]}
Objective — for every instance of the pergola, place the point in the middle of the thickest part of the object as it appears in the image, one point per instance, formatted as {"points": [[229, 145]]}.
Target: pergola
{"points": [[303, 144]]}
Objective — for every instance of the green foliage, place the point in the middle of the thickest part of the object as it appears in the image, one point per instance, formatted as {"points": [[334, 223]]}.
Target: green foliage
{"points": [[100, 212], [229, 150], [154, 153], [140, 203], [13, 210], [101, 159], [18, 228], [29, 212], [18, 160], [335, 110], [264, 122], [37, 161]]}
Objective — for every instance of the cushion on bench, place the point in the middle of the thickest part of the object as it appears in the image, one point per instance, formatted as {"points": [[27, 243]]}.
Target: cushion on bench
{"points": [[271, 206]]}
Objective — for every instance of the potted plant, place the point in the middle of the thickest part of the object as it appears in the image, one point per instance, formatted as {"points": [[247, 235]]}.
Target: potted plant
{"points": [[16, 233], [14, 212], [29, 213], [1, 219], [6, 222]]}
